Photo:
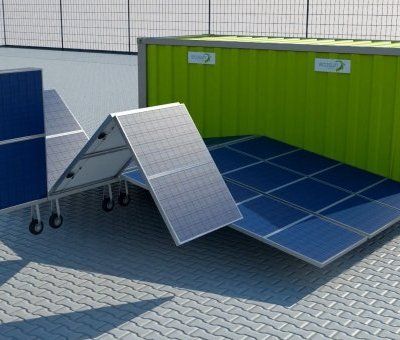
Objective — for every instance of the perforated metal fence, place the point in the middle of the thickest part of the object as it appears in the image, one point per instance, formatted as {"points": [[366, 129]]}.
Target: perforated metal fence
{"points": [[115, 25]]}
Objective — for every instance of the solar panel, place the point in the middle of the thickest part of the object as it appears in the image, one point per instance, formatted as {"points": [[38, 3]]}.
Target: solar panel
{"points": [[135, 177], [58, 117], [21, 103], [216, 141], [263, 177], [316, 241], [264, 215], [101, 160], [22, 172], [61, 151], [365, 216], [22, 143], [263, 147], [228, 160], [183, 178], [310, 194], [304, 162], [240, 193], [387, 192], [349, 178]]}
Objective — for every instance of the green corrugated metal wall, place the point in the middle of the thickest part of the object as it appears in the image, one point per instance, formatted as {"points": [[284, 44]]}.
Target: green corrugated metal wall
{"points": [[353, 118]]}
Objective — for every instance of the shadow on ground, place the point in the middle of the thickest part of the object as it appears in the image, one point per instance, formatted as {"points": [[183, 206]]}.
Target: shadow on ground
{"points": [[80, 325], [134, 243]]}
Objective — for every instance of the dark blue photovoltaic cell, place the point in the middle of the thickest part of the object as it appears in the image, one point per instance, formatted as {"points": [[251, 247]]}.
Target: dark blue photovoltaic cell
{"points": [[316, 239], [263, 176], [263, 216], [304, 162], [310, 194], [213, 141], [349, 178], [361, 214], [240, 193], [227, 160], [263, 147], [22, 172], [135, 176], [387, 192], [21, 103]]}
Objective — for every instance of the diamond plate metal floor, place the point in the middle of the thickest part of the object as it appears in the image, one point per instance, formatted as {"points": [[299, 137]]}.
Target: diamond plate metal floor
{"points": [[119, 275]]}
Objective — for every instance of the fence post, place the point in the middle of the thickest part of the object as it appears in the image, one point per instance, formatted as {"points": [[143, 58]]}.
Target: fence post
{"points": [[61, 25], [307, 17], [129, 26], [4, 23], [209, 17]]}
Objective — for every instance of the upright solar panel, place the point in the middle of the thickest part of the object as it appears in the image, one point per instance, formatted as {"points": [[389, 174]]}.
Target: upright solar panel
{"points": [[22, 142], [182, 176]]}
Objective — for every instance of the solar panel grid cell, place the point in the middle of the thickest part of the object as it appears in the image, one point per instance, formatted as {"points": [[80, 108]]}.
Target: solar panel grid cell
{"points": [[21, 104]]}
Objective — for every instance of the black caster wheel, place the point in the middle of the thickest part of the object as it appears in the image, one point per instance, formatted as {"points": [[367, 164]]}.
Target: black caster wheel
{"points": [[107, 204], [35, 227], [55, 221], [123, 199]]}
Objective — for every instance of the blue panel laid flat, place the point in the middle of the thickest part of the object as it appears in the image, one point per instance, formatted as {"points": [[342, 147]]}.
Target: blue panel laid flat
{"points": [[387, 192], [263, 216], [22, 172], [349, 178], [213, 141], [135, 177], [263, 147], [317, 240], [310, 194], [362, 214], [263, 176], [21, 103], [304, 162], [227, 160], [240, 193]]}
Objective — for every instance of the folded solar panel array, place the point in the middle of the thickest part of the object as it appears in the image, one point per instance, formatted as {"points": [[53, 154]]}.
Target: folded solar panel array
{"points": [[307, 205]]}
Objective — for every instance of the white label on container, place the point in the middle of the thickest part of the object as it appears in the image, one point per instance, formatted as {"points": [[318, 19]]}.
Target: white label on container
{"points": [[203, 58], [332, 65]]}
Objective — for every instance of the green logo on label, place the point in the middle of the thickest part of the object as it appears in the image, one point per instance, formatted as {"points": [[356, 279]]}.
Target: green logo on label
{"points": [[341, 65], [207, 58]]}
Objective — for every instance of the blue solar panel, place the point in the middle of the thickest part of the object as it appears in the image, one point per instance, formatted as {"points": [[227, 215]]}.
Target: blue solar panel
{"points": [[263, 147], [22, 172], [310, 194], [387, 192], [240, 193], [304, 162], [135, 177], [317, 240], [21, 103], [213, 141], [362, 214], [263, 176], [349, 178], [227, 160], [263, 216]]}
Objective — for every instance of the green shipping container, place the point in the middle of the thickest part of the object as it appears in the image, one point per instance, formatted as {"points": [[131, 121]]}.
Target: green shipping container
{"points": [[340, 99]]}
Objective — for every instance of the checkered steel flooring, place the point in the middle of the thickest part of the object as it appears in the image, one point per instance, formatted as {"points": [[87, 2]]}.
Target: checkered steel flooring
{"points": [[119, 275]]}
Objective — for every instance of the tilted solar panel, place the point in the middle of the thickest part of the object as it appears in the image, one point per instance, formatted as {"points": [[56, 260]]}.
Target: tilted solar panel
{"points": [[64, 136], [182, 176], [58, 117]]}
